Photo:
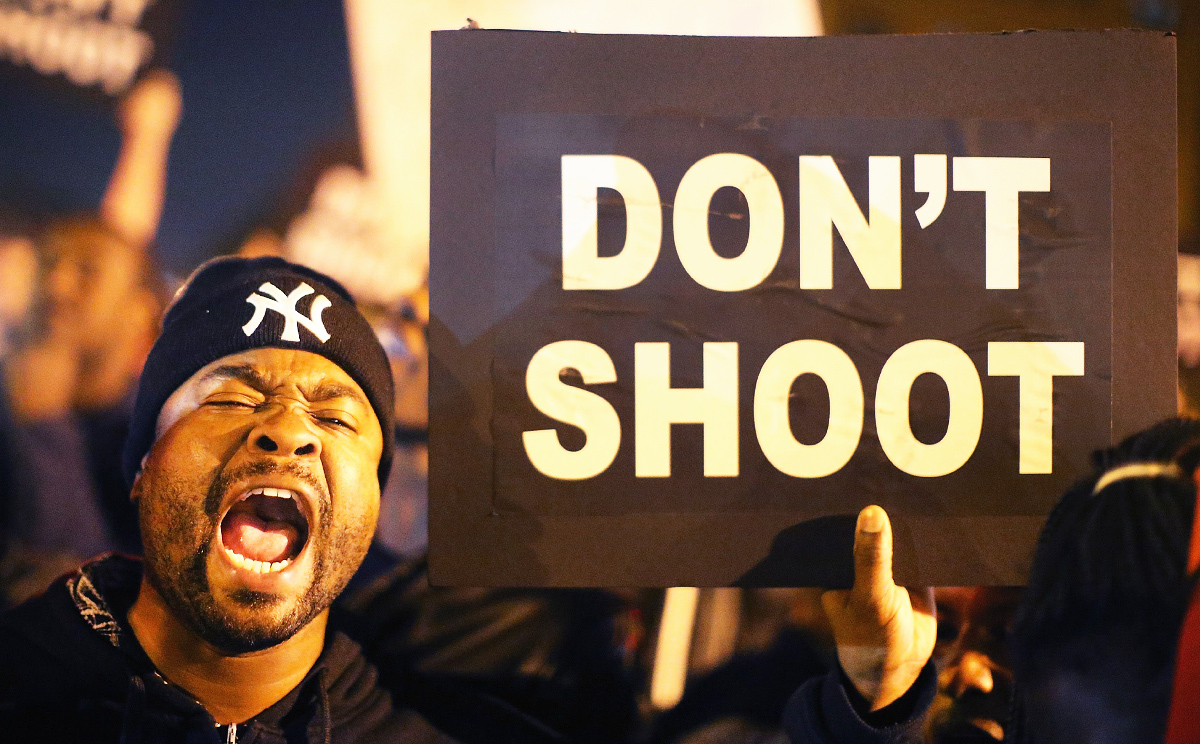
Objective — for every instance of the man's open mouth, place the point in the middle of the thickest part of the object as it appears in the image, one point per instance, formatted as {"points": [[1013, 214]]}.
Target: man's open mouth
{"points": [[264, 530]]}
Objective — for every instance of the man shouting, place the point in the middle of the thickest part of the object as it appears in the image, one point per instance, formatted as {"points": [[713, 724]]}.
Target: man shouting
{"points": [[260, 436]]}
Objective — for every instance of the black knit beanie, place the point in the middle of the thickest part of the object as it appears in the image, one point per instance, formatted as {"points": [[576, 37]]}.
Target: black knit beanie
{"points": [[230, 305]]}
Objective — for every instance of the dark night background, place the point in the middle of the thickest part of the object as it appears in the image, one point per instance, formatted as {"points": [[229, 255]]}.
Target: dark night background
{"points": [[264, 84]]}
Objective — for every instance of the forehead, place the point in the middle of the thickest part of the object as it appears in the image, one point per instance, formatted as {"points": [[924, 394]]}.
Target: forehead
{"points": [[267, 370], [275, 368]]}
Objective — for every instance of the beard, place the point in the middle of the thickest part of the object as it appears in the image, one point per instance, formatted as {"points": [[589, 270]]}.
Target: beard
{"points": [[179, 532]]}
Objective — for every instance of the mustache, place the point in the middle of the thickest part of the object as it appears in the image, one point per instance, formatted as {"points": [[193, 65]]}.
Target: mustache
{"points": [[222, 483]]}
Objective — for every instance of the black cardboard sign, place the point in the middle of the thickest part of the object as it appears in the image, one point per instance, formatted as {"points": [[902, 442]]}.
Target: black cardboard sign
{"points": [[697, 301]]}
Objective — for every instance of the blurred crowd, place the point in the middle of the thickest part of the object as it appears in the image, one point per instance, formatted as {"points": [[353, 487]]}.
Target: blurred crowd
{"points": [[1092, 640]]}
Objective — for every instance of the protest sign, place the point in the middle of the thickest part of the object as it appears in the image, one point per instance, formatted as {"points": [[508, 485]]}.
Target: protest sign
{"points": [[697, 301], [90, 49]]}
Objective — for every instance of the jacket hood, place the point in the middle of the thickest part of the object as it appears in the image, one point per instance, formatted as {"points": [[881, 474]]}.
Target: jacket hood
{"points": [[75, 649]]}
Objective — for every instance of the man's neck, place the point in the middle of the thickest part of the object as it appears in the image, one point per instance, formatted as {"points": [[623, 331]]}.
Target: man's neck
{"points": [[232, 688]]}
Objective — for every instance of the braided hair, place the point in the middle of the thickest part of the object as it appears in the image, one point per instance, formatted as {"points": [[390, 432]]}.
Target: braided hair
{"points": [[1093, 643]]}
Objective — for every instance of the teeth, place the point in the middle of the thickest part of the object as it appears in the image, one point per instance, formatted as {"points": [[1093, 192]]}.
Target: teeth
{"points": [[275, 493], [249, 564]]}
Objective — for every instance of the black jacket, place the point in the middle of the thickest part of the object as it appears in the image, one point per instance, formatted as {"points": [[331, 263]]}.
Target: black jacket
{"points": [[71, 671], [828, 710]]}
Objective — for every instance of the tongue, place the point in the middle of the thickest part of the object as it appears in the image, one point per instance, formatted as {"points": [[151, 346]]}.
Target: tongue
{"points": [[244, 533]]}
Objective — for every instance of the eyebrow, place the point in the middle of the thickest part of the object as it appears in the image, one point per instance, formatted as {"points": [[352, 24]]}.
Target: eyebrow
{"points": [[331, 390], [243, 373], [252, 377]]}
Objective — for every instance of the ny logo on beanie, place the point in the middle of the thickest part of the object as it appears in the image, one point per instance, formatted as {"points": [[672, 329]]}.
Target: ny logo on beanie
{"points": [[202, 326], [285, 305]]}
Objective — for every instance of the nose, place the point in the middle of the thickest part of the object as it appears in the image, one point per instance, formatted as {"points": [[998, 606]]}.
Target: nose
{"points": [[62, 281], [285, 431], [973, 670]]}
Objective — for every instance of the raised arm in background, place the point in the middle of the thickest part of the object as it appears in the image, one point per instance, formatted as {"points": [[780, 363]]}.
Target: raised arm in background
{"points": [[148, 116]]}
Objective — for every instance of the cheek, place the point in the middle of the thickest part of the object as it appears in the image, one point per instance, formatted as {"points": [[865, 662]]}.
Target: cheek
{"points": [[352, 474], [356, 512], [175, 480], [192, 447], [354, 488], [351, 529], [173, 523]]}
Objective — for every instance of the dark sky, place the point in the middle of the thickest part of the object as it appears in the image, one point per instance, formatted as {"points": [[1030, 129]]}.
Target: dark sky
{"points": [[265, 84]]}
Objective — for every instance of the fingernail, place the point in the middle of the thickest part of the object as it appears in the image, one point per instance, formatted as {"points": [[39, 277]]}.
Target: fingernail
{"points": [[871, 519]]}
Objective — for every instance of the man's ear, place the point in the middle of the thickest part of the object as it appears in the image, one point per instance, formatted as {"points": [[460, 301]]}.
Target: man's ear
{"points": [[135, 492]]}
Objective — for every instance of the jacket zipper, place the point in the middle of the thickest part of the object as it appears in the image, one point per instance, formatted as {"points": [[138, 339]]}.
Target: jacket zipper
{"points": [[231, 734]]}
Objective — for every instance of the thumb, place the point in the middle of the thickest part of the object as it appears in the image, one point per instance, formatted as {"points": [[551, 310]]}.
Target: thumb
{"points": [[873, 583]]}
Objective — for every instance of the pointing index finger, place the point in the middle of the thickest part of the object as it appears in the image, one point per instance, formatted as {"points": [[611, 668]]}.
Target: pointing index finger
{"points": [[873, 556]]}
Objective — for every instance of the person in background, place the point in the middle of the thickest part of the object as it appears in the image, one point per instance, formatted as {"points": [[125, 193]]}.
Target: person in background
{"points": [[975, 673], [1092, 646], [18, 277], [404, 515], [71, 375], [71, 381], [1094, 641], [743, 700]]}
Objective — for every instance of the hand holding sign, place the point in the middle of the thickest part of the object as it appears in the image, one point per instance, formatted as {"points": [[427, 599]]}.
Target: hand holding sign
{"points": [[884, 633]]}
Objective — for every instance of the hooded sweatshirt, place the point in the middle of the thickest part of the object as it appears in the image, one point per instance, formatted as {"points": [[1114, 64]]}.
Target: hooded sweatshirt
{"points": [[72, 671]]}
